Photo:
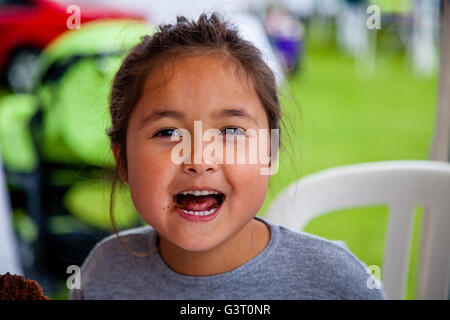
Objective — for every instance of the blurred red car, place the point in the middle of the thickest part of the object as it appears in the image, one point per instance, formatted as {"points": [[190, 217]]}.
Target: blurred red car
{"points": [[27, 26]]}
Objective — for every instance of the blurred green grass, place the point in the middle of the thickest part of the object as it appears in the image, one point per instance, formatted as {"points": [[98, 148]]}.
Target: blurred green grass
{"points": [[341, 111]]}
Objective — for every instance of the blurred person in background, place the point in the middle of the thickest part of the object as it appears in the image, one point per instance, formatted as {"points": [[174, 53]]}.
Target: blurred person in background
{"points": [[425, 31], [352, 29], [286, 34]]}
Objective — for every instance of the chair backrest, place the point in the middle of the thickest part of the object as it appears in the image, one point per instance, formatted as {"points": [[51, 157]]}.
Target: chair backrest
{"points": [[400, 184]]}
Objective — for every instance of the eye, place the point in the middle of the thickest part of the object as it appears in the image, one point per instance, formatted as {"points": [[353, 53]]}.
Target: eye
{"points": [[233, 131], [166, 133]]}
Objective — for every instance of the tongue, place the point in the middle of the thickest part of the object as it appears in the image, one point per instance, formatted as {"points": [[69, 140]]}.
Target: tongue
{"points": [[198, 203]]}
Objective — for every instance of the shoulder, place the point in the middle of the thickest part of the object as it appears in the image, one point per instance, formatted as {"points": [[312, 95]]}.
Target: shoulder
{"points": [[330, 264], [108, 258], [135, 239]]}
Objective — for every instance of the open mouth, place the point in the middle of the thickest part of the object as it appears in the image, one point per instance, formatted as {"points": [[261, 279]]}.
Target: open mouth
{"points": [[199, 202]]}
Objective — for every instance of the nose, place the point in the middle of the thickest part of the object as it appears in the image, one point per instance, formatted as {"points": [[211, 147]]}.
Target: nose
{"points": [[199, 169], [198, 164]]}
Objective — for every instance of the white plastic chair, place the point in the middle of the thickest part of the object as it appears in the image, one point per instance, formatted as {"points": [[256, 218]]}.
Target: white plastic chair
{"points": [[400, 184]]}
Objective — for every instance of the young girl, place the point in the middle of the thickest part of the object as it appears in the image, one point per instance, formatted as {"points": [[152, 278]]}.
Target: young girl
{"points": [[204, 240]]}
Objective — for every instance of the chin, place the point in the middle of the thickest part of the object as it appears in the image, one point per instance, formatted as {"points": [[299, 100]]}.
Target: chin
{"points": [[196, 246]]}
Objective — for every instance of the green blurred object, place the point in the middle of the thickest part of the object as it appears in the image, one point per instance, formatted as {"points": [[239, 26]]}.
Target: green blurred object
{"points": [[70, 109], [18, 152], [89, 203], [75, 105], [100, 36], [84, 116], [24, 226], [74, 83]]}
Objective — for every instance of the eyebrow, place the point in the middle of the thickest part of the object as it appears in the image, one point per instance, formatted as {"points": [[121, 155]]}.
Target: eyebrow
{"points": [[239, 113], [159, 114]]}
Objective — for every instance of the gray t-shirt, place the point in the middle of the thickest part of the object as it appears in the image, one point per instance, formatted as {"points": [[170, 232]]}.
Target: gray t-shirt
{"points": [[294, 265]]}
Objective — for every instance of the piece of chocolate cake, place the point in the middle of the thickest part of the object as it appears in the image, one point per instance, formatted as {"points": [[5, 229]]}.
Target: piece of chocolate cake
{"points": [[15, 287]]}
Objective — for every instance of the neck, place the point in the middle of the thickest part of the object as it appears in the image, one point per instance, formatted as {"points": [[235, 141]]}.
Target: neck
{"points": [[250, 240]]}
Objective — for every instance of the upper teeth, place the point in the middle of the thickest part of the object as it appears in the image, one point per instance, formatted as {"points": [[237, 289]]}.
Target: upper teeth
{"points": [[200, 192]]}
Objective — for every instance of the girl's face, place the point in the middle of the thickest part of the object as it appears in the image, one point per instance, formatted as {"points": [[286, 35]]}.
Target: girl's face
{"points": [[200, 88]]}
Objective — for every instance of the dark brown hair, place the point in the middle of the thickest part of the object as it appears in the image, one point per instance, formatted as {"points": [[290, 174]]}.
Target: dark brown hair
{"points": [[206, 36]]}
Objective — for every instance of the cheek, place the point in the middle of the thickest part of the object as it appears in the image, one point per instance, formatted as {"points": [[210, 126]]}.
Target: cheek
{"points": [[249, 186], [149, 174]]}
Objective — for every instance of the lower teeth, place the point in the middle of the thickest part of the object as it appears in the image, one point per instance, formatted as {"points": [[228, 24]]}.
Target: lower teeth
{"points": [[200, 213]]}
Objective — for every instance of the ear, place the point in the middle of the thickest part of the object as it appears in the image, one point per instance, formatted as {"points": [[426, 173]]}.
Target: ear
{"points": [[115, 148]]}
